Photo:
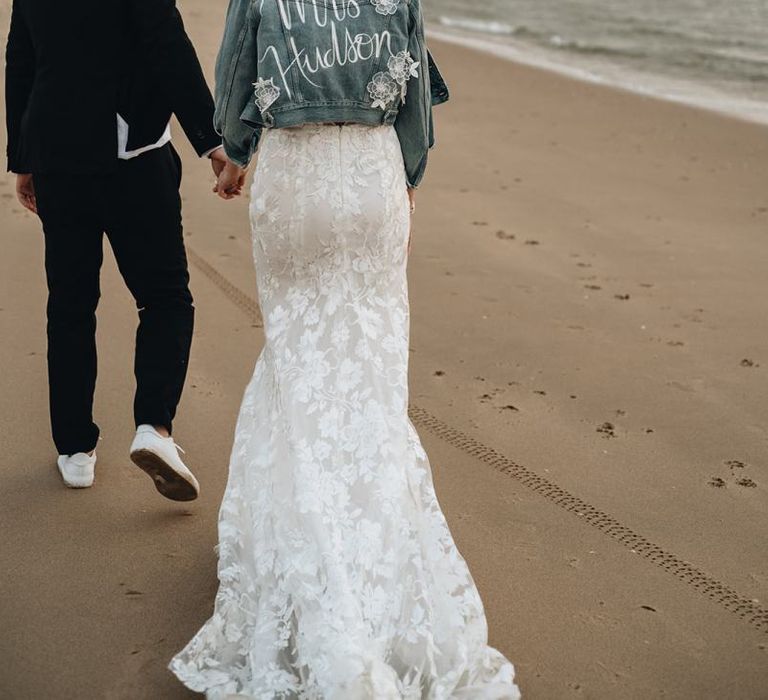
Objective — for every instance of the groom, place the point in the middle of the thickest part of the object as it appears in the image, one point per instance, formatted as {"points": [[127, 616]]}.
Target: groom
{"points": [[90, 89]]}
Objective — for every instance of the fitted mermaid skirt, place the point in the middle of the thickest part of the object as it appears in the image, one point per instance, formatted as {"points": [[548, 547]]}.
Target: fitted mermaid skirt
{"points": [[339, 578]]}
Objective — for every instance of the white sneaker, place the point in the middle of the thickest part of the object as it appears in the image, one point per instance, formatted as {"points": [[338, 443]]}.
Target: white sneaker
{"points": [[77, 470], [159, 457]]}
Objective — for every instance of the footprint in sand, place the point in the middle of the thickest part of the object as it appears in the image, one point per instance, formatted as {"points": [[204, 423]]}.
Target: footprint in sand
{"points": [[746, 483], [607, 430], [735, 466]]}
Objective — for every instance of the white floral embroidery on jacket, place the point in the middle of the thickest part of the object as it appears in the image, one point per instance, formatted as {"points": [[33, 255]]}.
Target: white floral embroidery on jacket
{"points": [[266, 93], [383, 90], [388, 85], [402, 68], [386, 7]]}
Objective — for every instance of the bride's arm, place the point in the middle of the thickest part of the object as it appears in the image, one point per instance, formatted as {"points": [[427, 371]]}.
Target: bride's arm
{"points": [[235, 74], [414, 120]]}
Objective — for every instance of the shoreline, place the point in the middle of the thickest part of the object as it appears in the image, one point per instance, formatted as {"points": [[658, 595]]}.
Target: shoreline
{"points": [[678, 91]]}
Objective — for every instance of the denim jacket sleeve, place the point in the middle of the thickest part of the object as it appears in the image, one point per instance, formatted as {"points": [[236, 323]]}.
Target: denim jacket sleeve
{"points": [[236, 68], [414, 124]]}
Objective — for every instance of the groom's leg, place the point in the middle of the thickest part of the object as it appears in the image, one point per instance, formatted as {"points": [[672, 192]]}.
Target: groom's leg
{"points": [[73, 257], [146, 235]]}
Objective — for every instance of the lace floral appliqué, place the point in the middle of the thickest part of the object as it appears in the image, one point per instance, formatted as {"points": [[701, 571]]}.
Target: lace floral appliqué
{"points": [[387, 86], [266, 93], [385, 7]]}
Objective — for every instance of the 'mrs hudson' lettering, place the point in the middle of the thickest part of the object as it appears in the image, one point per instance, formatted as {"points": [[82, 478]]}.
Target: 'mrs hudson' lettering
{"points": [[332, 44]]}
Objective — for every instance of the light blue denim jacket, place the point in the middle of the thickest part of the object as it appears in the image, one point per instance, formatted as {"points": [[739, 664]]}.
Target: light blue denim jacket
{"points": [[289, 62]]}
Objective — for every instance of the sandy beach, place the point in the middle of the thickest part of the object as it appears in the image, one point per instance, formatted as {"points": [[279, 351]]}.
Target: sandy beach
{"points": [[589, 373]]}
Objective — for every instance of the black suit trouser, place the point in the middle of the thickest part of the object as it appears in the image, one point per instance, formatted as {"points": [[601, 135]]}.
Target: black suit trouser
{"points": [[139, 208]]}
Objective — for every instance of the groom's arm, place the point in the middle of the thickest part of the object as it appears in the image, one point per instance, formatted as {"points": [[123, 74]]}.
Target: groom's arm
{"points": [[162, 35], [19, 78]]}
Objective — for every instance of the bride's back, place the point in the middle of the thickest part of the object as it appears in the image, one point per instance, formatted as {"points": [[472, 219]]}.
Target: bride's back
{"points": [[326, 53]]}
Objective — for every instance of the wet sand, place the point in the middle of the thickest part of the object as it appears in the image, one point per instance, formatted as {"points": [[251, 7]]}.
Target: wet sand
{"points": [[589, 372]]}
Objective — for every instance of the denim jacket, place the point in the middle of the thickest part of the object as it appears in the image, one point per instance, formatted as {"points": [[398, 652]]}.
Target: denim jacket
{"points": [[284, 63]]}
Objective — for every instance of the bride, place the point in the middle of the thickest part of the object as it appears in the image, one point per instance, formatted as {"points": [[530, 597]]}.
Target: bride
{"points": [[339, 578]]}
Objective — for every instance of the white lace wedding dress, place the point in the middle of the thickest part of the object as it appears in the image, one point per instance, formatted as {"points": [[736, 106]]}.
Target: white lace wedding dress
{"points": [[339, 577]]}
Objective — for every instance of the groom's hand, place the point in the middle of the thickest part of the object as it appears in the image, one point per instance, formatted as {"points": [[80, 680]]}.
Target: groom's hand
{"points": [[218, 160], [25, 191], [231, 181]]}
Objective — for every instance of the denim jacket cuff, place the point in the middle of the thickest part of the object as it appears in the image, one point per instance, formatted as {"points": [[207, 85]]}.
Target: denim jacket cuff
{"points": [[236, 155]]}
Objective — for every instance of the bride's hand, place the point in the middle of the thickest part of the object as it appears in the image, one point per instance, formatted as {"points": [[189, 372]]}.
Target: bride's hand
{"points": [[231, 181], [412, 203], [412, 198]]}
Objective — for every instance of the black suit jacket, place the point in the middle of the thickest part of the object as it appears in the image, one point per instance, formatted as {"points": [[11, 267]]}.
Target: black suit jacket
{"points": [[71, 65]]}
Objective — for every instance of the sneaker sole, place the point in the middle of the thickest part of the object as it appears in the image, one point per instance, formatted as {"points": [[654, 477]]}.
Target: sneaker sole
{"points": [[167, 480], [85, 484]]}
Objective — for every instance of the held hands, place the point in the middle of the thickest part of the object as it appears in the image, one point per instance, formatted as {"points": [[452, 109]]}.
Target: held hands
{"points": [[230, 177], [25, 191]]}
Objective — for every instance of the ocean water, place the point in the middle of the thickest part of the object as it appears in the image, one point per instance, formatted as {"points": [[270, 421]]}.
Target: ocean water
{"points": [[711, 53]]}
